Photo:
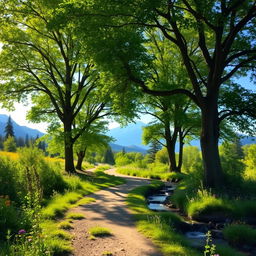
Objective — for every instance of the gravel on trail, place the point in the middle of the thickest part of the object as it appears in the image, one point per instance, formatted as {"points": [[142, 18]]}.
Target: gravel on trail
{"points": [[110, 211]]}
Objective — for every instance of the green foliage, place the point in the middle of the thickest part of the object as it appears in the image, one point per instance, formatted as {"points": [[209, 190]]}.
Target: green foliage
{"points": [[109, 157], [35, 169], [250, 162], [10, 144], [9, 217], [162, 156], [240, 234], [206, 203], [9, 179], [232, 164], [160, 227], [122, 160]]}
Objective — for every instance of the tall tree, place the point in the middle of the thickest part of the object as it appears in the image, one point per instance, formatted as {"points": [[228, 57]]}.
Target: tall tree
{"points": [[50, 65], [174, 117], [224, 32], [153, 149], [109, 156], [9, 128]]}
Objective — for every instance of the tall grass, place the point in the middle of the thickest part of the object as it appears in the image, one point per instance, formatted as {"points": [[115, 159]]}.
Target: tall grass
{"points": [[31, 181]]}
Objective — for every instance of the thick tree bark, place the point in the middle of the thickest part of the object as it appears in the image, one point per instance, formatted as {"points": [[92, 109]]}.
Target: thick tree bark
{"points": [[80, 158], [209, 144], [69, 154]]}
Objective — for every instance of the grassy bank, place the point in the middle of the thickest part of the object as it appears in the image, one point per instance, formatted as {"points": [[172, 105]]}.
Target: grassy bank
{"points": [[34, 201], [163, 228]]}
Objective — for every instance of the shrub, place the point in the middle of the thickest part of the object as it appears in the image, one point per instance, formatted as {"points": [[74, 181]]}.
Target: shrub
{"points": [[240, 234], [205, 203], [232, 164], [9, 217], [10, 144], [51, 179], [9, 179], [34, 168]]}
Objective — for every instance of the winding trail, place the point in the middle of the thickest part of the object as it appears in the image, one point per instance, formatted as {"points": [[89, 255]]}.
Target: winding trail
{"points": [[110, 211]]}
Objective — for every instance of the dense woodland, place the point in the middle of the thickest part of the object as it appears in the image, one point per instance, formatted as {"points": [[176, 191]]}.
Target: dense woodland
{"points": [[84, 64]]}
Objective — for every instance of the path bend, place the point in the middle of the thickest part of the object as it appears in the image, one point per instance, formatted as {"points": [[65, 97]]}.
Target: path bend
{"points": [[110, 211]]}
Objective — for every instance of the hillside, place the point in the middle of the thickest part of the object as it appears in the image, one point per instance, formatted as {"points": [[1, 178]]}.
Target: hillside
{"points": [[19, 131]]}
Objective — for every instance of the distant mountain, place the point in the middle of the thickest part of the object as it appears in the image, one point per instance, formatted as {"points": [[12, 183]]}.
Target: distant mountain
{"points": [[129, 135], [248, 140], [19, 131], [133, 148]]}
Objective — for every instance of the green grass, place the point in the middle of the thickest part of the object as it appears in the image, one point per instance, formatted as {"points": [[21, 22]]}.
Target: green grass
{"points": [[59, 204], [65, 225], [227, 251], [240, 234], [103, 167], [58, 240], [99, 232], [75, 216], [197, 202], [107, 253], [160, 227], [153, 171], [85, 200]]}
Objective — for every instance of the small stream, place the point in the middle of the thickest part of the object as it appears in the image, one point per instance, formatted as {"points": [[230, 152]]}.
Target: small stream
{"points": [[195, 232]]}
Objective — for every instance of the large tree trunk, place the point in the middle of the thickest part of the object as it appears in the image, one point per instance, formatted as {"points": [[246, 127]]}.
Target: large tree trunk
{"points": [[80, 158], [69, 154], [181, 144], [209, 144]]}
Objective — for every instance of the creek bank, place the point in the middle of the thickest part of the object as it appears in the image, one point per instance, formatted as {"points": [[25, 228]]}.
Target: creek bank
{"points": [[195, 231]]}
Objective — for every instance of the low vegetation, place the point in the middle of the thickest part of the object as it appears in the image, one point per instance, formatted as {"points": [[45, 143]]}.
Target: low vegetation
{"points": [[99, 232], [163, 228], [34, 195]]}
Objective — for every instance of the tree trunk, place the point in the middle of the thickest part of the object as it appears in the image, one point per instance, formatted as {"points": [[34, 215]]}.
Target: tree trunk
{"points": [[69, 154], [181, 144], [170, 145], [209, 144], [80, 158]]}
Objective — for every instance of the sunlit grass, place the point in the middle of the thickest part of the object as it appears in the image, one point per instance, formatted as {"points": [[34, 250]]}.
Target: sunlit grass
{"points": [[160, 227], [65, 225], [75, 216], [99, 231], [157, 171]]}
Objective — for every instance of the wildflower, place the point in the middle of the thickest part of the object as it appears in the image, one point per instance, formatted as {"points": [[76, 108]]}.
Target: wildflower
{"points": [[22, 231]]}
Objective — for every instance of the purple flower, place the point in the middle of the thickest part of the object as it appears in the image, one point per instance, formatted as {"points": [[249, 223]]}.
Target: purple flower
{"points": [[22, 231]]}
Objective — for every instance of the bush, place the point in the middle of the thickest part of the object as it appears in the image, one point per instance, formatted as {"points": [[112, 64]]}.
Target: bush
{"points": [[10, 144], [206, 203], [250, 162], [232, 164], [240, 234], [34, 168], [9, 179], [9, 217], [51, 179]]}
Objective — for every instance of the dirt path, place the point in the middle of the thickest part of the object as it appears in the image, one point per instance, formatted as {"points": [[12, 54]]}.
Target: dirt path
{"points": [[110, 211]]}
